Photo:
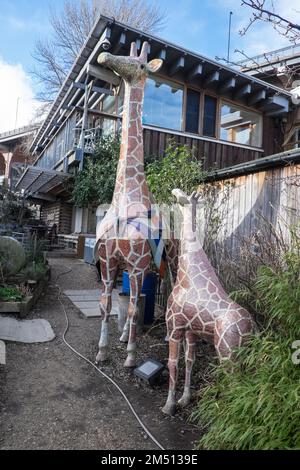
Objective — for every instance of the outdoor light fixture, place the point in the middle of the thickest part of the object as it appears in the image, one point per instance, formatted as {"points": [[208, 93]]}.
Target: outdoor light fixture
{"points": [[150, 371]]}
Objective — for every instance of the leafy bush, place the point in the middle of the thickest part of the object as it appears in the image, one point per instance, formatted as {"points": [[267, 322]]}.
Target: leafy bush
{"points": [[95, 184], [34, 272], [10, 294], [253, 403], [35, 250], [178, 169]]}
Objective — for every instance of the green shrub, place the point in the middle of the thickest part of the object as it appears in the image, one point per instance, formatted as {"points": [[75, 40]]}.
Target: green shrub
{"points": [[177, 169], [34, 272], [96, 183], [10, 294], [253, 403]]}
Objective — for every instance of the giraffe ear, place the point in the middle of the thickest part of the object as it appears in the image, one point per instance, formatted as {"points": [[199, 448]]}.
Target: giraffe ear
{"points": [[181, 197], [155, 65]]}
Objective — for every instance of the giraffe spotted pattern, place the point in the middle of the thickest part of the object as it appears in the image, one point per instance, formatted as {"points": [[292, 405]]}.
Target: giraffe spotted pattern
{"points": [[199, 307]]}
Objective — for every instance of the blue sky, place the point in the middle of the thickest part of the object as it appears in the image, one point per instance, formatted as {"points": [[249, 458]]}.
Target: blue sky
{"points": [[200, 25]]}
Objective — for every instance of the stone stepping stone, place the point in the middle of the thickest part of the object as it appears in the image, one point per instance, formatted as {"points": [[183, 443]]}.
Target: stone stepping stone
{"points": [[25, 331], [87, 301], [2, 353]]}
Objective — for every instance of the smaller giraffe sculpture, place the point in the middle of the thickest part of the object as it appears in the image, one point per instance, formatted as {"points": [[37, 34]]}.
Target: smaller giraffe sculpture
{"points": [[199, 307]]}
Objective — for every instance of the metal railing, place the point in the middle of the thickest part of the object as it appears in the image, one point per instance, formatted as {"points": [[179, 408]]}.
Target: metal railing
{"points": [[277, 55]]}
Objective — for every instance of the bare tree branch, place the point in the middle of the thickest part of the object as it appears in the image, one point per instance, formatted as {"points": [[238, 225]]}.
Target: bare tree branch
{"points": [[262, 12], [54, 56]]}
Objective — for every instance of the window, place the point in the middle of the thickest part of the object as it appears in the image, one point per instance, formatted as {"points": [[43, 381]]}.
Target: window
{"points": [[163, 104], [240, 125], [108, 104], [192, 111], [209, 116]]}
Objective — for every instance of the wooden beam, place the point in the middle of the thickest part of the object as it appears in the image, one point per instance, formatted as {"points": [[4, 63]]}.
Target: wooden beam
{"points": [[120, 43], [195, 72], [138, 43], [103, 74], [212, 78], [177, 65], [106, 34], [96, 112], [122, 39], [257, 97], [95, 89], [228, 86], [162, 54], [275, 105], [244, 91], [42, 197]]}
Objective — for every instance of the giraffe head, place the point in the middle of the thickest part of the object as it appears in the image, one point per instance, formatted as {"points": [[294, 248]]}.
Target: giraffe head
{"points": [[183, 199], [188, 206], [133, 68]]}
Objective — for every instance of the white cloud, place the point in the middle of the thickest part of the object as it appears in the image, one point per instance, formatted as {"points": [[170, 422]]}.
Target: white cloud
{"points": [[15, 89]]}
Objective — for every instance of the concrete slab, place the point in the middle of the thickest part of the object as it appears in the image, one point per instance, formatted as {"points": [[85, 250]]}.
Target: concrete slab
{"points": [[2, 353], [91, 312], [26, 331], [71, 293], [87, 301], [85, 298], [86, 305]]}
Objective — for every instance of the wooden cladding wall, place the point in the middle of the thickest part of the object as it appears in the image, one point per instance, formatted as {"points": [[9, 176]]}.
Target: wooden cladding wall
{"points": [[274, 194], [217, 155], [59, 213]]}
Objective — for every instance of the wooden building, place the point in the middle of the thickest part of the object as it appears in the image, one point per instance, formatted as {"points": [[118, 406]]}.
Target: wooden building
{"points": [[13, 156], [227, 117]]}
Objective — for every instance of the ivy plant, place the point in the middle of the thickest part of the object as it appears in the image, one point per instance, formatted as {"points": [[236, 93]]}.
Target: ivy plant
{"points": [[95, 184], [177, 169]]}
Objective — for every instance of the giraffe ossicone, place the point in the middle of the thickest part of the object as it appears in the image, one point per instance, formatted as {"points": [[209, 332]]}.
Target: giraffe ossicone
{"points": [[199, 307]]}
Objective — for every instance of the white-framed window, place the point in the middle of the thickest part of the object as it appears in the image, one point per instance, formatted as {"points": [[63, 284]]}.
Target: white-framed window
{"points": [[240, 125], [163, 104]]}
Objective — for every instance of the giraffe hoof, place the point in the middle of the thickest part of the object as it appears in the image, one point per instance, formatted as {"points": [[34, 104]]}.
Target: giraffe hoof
{"points": [[184, 401], [101, 357], [130, 362], [124, 339], [169, 409]]}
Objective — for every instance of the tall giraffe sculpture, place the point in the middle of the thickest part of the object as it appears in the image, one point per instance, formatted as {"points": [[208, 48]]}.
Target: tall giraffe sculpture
{"points": [[123, 236], [199, 307]]}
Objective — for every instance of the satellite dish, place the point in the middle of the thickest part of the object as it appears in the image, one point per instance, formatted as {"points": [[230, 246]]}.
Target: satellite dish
{"points": [[12, 255]]}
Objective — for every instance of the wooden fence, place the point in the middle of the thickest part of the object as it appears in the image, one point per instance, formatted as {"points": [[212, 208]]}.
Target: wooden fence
{"points": [[243, 201]]}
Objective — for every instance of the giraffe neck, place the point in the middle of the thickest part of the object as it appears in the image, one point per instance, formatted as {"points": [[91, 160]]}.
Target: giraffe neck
{"points": [[189, 238], [131, 182]]}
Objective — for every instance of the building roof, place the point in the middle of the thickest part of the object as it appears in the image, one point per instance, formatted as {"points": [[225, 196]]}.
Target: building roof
{"points": [[16, 134], [41, 184], [289, 157], [178, 62], [289, 55]]}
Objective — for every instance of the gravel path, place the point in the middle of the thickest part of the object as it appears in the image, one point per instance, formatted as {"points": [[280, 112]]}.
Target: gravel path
{"points": [[50, 399]]}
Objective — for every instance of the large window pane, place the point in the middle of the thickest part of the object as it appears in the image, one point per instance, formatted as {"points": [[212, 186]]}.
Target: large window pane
{"points": [[192, 111], [108, 104], [240, 125], [163, 104], [210, 116]]}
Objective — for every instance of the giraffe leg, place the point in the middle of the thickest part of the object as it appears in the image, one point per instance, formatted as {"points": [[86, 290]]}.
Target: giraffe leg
{"points": [[109, 271], [189, 362], [136, 282], [125, 335], [174, 353]]}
